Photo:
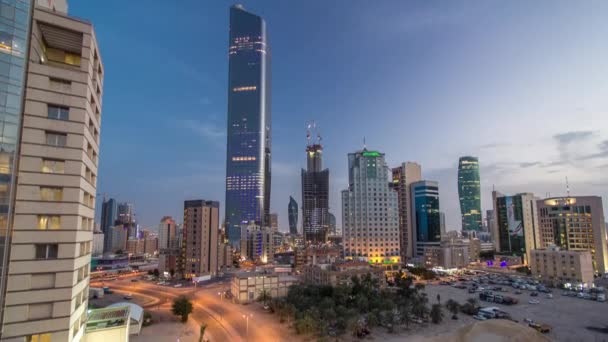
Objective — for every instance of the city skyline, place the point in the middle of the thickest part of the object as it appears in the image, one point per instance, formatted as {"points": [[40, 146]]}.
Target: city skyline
{"points": [[516, 158]]}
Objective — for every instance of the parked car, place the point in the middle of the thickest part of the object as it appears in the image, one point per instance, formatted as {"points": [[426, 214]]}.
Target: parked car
{"points": [[533, 301], [534, 294], [550, 296], [518, 292], [542, 328], [528, 320], [479, 318]]}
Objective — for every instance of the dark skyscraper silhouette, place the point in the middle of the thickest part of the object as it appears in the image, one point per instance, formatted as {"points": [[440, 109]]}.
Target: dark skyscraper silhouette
{"points": [[315, 194], [292, 210], [109, 215], [249, 123], [469, 193]]}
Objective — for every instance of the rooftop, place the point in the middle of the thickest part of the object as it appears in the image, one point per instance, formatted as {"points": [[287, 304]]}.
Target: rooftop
{"points": [[110, 317]]}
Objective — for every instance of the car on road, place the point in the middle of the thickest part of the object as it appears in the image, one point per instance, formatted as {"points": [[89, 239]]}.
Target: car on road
{"points": [[528, 320], [128, 296], [177, 285], [533, 301], [549, 295], [133, 280]]}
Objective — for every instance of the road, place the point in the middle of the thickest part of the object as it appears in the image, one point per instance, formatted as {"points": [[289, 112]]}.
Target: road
{"points": [[225, 320]]}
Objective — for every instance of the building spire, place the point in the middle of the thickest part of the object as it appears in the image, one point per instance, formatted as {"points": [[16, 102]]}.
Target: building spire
{"points": [[364, 144]]}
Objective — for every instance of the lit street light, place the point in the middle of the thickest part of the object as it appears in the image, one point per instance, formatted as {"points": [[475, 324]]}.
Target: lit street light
{"points": [[246, 317]]}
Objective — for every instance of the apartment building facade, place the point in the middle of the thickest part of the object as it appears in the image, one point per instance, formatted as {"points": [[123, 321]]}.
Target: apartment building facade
{"points": [[54, 197]]}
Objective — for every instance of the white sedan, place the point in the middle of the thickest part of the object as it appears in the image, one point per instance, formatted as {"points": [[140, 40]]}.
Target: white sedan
{"points": [[533, 301]]}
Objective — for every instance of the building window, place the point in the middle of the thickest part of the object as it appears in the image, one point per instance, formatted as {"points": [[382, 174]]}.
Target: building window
{"points": [[58, 112], [53, 166], [51, 194], [56, 139], [38, 338], [47, 251], [49, 222]]}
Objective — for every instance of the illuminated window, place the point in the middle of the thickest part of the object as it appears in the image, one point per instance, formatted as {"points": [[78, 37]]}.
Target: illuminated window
{"points": [[51, 194], [49, 222], [248, 88], [60, 56], [53, 166]]}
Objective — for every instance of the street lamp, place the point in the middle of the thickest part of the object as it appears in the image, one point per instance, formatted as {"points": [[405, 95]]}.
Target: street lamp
{"points": [[246, 317]]}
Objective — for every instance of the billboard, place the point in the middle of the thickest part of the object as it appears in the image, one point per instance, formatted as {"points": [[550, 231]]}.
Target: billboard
{"points": [[516, 227]]}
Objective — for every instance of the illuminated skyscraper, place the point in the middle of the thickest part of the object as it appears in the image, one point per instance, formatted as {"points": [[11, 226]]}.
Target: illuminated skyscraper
{"points": [[315, 194], [426, 216], [249, 123], [469, 193], [292, 210], [370, 218]]}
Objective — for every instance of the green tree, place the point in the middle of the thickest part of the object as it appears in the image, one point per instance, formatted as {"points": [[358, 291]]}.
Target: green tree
{"points": [[264, 296], [453, 307], [436, 313], [182, 307], [156, 273], [202, 332]]}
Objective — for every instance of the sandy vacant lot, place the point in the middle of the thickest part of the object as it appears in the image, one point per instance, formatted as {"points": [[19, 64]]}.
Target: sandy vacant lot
{"points": [[568, 316]]}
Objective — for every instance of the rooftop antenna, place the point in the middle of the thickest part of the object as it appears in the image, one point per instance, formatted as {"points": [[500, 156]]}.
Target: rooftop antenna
{"points": [[364, 145], [309, 126], [567, 189]]}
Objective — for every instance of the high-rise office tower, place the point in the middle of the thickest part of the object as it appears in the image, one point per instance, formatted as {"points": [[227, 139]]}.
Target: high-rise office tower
{"points": [[167, 233], [249, 123], [201, 228], [403, 176], [274, 222], [370, 217], [331, 224], [292, 210], [516, 224], [48, 219], [469, 193], [109, 214], [575, 223], [315, 194], [426, 216], [126, 217]]}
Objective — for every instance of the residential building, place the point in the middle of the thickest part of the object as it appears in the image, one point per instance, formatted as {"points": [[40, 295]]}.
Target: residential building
{"points": [[449, 254], [201, 227], [274, 222], [224, 256], [48, 219], [292, 210], [342, 273], [170, 261], [332, 230], [249, 123], [135, 246], [425, 215], [167, 233], [314, 255], [370, 217], [257, 243], [516, 226], [575, 223], [151, 244], [247, 286], [557, 267], [469, 193], [404, 175], [315, 194], [98, 242], [109, 215]]}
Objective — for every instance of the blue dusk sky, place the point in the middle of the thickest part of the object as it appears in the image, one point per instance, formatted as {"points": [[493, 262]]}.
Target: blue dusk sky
{"points": [[521, 84]]}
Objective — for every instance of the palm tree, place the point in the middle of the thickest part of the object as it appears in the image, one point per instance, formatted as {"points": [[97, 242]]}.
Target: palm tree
{"points": [[453, 307], [264, 296], [182, 307], [436, 313]]}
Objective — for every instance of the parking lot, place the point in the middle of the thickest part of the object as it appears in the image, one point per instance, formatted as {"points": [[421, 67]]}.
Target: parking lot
{"points": [[568, 317]]}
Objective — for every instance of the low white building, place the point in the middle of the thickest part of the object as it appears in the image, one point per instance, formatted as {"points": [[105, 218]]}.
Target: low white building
{"points": [[247, 286], [136, 316], [108, 324]]}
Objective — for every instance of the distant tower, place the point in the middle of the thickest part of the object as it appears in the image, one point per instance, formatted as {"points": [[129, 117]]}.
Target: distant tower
{"points": [[469, 193], [292, 211], [404, 175], [315, 191]]}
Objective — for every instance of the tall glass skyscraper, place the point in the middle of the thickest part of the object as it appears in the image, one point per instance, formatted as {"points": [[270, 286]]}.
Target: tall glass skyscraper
{"points": [[249, 127], [14, 40], [427, 217], [315, 196], [109, 215], [292, 210], [469, 193]]}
